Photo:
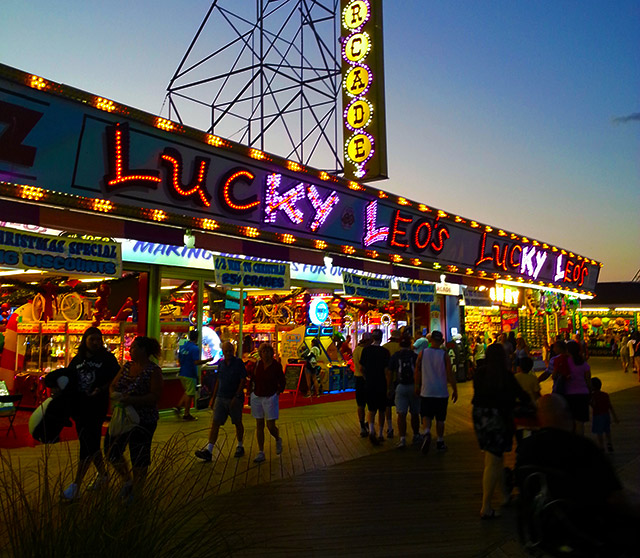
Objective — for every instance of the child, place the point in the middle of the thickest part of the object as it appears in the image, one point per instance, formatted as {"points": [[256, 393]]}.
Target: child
{"points": [[601, 424]]}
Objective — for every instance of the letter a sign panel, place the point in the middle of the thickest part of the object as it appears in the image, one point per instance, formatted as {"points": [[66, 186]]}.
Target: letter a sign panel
{"points": [[365, 146]]}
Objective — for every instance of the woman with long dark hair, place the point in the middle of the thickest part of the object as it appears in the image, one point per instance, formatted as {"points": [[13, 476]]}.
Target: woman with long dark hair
{"points": [[91, 372], [495, 392], [577, 388], [139, 384]]}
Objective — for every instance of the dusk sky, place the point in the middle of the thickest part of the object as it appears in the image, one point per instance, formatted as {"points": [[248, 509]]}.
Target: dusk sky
{"points": [[521, 115]]}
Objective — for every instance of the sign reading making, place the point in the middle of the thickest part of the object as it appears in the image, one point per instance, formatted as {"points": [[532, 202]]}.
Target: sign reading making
{"points": [[72, 256], [366, 287], [416, 291], [239, 273]]}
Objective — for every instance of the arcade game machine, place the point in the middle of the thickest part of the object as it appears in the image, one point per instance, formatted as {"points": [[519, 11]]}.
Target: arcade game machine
{"points": [[336, 375]]}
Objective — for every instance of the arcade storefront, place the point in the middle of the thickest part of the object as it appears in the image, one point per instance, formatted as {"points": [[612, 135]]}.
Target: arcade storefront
{"points": [[221, 231]]}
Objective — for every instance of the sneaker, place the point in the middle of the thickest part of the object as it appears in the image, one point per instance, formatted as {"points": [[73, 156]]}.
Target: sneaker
{"points": [[374, 439], [189, 418], [71, 492], [260, 458], [402, 444], [441, 446], [98, 482], [204, 454], [390, 433], [239, 452], [364, 433], [177, 411], [279, 446], [426, 443]]}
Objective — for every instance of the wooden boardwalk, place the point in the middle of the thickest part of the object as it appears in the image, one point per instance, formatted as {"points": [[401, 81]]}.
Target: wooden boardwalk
{"points": [[333, 493]]}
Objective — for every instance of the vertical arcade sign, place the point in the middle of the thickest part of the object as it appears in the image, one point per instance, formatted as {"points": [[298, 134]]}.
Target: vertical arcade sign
{"points": [[365, 147]]}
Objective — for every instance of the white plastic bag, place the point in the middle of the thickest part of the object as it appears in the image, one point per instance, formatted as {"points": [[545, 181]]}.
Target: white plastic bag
{"points": [[123, 419]]}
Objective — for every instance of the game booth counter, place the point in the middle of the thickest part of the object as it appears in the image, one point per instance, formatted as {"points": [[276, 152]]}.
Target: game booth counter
{"points": [[148, 227]]}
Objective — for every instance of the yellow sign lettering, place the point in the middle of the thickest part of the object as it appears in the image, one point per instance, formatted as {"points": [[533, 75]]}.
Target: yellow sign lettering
{"points": [[355, 14], [357, 47], [358, 114], [359, 148], [357, 80]]}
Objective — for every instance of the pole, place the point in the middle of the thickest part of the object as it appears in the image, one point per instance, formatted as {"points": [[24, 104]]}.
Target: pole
{"points": [[413, 319], [240, 322]]}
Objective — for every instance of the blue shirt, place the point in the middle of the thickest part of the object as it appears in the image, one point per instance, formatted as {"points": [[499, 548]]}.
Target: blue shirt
{"points": [[230, 374], [187, 355]]}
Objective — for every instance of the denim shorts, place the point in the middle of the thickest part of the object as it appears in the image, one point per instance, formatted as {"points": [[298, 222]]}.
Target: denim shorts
{"points": [[406, 399]]}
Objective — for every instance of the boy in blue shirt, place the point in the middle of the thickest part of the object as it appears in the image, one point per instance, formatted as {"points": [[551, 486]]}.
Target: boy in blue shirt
{"points": [[188, 356]]}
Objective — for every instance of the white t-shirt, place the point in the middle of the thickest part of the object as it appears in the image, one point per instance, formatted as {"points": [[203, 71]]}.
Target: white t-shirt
{"points": [[434, 374]]}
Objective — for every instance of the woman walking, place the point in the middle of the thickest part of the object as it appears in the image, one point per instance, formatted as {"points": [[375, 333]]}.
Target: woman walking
{"points": [[495, 392], [139, 384], [91, 372], [577, 387]]}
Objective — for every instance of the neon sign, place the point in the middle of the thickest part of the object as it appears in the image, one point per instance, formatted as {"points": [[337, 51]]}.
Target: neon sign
{"points": [[504, 294], [363, 116], [318, 311]]}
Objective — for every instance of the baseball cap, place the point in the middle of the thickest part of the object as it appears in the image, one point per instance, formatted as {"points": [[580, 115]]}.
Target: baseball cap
{"points": [[437, 335]]}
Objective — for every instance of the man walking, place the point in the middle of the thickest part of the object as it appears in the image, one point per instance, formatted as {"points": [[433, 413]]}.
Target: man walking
{"points": [[402, 366], [374, 361], [188, 357], [393, 346], [228, 396], [361, 393], [433, 371]]}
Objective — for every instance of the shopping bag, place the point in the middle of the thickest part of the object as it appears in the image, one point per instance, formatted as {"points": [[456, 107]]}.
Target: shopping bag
{"points": [[123, 419]]}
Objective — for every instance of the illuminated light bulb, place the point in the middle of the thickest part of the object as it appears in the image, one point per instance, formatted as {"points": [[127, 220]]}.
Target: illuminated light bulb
{"points": [[580, 258], [459, 219], [325, 175], [520, 280], [251, 232], [563, 252], [452, 268], [104, 104], [396, 258], [571, 255], [442, 213], [545, 245], [416, 261], [496, 275], [320, 244], [355, 186], [371, 254], [404, 201], [209, 224], [154, 214], [469, 271], [554, 249], [482, 273], [436, 265], [293, 166], [475, 225], [216, 141], [38, 83], [525, 240], [502, 233], [422, 207], [536, 243], [165, 124], [287, 238], [348, 250], [488, 228], [258, 155], [102, 205], [31, 193], [382, 195]]}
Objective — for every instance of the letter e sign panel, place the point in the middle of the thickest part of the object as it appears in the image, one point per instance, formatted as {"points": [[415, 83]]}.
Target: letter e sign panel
{"points": [[365, 145]]}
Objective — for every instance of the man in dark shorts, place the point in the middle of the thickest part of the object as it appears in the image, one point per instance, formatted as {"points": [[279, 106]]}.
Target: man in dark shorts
{"points": [[229, 401], [361, 393], [433, 373], [374, 362]]}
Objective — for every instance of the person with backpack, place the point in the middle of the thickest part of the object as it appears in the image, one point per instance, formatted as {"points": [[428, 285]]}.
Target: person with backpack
{"points": [[433, 372], [402, 367]]}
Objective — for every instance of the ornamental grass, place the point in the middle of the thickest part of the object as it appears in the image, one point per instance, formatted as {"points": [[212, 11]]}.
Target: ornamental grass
{"points": [[170, 517]]}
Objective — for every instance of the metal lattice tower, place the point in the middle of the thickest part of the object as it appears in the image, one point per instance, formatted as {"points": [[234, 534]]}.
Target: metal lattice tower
{"points": [[268, 78]]}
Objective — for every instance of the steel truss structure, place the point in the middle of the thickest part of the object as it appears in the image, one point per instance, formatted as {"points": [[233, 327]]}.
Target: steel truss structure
{"points": [[268, 78]]}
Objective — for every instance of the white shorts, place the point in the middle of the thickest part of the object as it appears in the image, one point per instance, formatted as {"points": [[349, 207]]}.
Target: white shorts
{"points": [[264, 407]]}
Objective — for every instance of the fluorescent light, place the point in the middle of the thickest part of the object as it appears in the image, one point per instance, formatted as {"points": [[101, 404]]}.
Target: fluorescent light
{"points": [[532, 286], [637, 309], [19, 272]]}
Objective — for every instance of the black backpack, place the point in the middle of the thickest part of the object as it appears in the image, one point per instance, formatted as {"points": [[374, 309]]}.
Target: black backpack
{"points": [[406, 366]]}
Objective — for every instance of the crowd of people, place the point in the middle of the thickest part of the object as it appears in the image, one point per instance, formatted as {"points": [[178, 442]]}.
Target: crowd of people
{"points": [[414, 375]]}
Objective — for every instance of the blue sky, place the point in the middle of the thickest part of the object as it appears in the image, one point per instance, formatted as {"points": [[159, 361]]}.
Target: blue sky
{"points": [[500, 111]]}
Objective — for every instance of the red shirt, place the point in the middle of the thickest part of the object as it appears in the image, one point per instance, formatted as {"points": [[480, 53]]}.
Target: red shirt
{"points": [[269, 381]]}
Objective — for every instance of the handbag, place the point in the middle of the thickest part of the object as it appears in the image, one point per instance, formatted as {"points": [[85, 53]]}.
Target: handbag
{"points": [[123, 419]]}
